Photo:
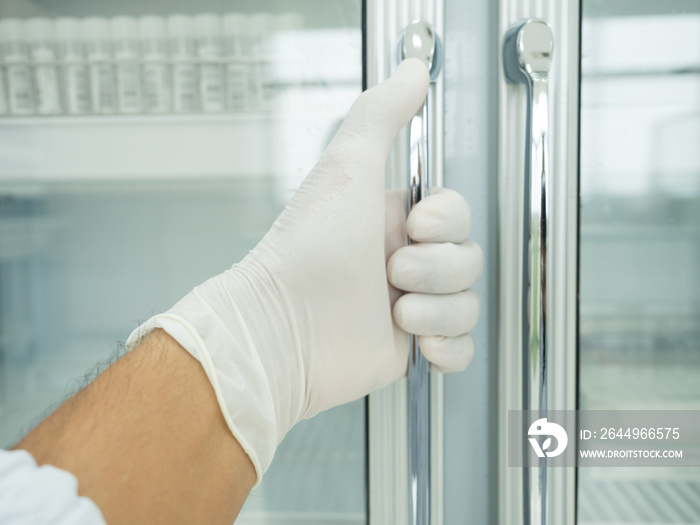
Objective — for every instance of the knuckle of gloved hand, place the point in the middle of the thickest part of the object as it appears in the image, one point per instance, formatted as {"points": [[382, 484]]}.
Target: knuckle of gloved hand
{"points": [[461, 265], [425, 223], [474, 265], [429, 314], [401, 269], [416, 268], [466, 353], [441, 217], [440, 268], [448, 268], [448, 354], [472, 309]]}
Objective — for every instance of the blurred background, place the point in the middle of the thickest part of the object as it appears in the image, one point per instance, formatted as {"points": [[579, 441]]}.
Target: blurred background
{"points": [[639, 309]]}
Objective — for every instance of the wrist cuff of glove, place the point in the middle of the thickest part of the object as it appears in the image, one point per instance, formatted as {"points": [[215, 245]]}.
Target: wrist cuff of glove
{"points": [[240, 384]]}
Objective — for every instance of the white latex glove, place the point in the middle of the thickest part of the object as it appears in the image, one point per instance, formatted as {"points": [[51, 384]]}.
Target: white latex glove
{"points": [[304, 322]]}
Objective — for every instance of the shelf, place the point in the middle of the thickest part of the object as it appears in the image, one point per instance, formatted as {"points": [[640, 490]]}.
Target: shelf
{"points": [[636, 233], [148, 148], [21, 238]]}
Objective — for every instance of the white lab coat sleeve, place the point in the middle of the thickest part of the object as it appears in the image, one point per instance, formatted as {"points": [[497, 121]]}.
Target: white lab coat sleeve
{"points": [[35, 495]]}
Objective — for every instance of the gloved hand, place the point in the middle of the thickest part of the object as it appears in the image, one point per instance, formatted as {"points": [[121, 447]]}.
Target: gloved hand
{"points": [[304, 322]]}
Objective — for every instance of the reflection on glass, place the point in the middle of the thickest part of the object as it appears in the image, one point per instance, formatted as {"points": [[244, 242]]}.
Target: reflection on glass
{"points": [[105, 220], [640, 240]]}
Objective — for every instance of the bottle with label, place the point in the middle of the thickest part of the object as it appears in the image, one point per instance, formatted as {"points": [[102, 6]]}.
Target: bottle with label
{"points": [[156, 75], [42, 49], [3, 95], [103, 95], [236, 43], [288, 72], [125, 43], [184, 68], [261, 89], [74, 72], [15, 54], [210, 54]]}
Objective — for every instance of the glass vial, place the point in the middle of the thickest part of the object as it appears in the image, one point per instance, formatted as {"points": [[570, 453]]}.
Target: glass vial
{"points": [[237, 61], [103, 95], [261, 89], [74, 72], [210, 54], [156, 76], [183, 59], [125, 43], [15, 53], [47, 96], [288, 72], [3, 94]]}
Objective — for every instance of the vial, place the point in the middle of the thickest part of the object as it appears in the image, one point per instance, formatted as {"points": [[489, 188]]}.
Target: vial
{"points": [[74, 72], [125, 43], [103, 96], [288, 72], [236, 45], [3, 95], [15, 53], [210, 54], [261, 88], [183, 59], [43, 53], [156, 78]]}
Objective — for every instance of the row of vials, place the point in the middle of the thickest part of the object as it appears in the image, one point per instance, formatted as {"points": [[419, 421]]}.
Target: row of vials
{"points": [[175, 64]]}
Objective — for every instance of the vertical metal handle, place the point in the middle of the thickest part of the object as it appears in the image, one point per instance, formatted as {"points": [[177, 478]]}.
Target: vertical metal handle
{"points": [[418, 367], [527, 56], [419, 40]]}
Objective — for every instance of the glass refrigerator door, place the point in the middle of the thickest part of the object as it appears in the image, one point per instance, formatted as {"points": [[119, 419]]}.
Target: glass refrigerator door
{"points": [[639, 335], [145, 147], [623, 293]]}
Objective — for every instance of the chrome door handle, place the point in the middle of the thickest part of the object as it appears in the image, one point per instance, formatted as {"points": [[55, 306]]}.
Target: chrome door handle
{"points": [[527, 56], [419, 40]]}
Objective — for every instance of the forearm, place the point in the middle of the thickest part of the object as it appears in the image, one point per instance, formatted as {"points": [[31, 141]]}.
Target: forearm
{"points": [[147, 441]]}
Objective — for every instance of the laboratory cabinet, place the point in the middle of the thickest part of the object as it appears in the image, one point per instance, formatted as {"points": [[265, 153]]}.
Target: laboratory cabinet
{"points": [[134, 137]]}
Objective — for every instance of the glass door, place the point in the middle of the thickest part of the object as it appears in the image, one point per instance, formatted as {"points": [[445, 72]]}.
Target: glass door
{"points": [[639, 314], [622, 259], [133, 138]]}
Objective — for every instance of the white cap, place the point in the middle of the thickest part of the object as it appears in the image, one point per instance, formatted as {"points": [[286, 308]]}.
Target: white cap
{"points": [[289, 21], [40, 29], [68, 29], [96, 28], [207, 25], [152, 28], [124, 28], [235, 24], [12, 30], [180, 26]]}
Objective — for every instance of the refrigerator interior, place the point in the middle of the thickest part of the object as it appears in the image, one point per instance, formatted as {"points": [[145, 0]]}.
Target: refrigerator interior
{"points": [[106, 219], [639, 241]]}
